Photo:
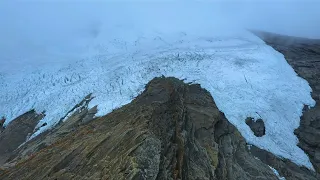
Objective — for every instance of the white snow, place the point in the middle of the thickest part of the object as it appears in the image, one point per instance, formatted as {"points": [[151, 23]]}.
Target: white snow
{"points": [[277, 173], [120, 52]]}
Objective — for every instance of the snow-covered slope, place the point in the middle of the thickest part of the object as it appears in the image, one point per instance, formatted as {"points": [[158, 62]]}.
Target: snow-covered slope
{"points": [[246, 77]]}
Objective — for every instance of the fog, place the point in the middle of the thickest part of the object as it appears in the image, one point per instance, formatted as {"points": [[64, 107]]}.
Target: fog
{"points": [[56, 31], [289, 17]]}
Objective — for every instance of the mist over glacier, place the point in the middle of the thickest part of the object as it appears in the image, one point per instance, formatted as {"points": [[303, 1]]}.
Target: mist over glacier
{"points": [[30, 30], [54, 54]]}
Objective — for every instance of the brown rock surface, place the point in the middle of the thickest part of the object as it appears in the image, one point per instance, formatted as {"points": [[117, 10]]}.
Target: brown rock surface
{"points": [[16, 133], [170, 131]]}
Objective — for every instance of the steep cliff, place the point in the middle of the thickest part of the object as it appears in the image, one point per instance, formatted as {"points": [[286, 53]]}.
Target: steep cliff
{"points": [[171, 131]]}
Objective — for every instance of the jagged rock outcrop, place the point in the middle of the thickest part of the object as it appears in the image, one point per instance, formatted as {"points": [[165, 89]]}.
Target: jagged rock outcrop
{"points": [[257, 126], [2, 121], [285, 167], [171, 131], [16, 133], [304, 56]]}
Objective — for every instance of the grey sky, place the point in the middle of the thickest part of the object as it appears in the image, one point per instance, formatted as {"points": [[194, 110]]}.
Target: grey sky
{"points": [[291, 17], [33, 28]]}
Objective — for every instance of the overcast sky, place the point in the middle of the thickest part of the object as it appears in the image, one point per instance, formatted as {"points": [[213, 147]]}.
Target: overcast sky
{"points": [[291, 17], [31, 27]]}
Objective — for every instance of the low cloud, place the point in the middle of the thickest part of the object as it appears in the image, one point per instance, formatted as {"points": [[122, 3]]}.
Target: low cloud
{"points": [[30, 29]]}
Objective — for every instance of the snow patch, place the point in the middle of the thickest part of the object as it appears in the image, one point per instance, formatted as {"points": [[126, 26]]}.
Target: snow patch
{"points": [[277, 173]]}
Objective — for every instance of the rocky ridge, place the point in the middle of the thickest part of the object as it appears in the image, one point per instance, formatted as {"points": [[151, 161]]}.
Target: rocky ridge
{"points": [[172, 130]]}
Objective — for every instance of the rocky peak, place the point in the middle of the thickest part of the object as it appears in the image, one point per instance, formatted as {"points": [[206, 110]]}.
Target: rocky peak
{"points": [[172, 131]]}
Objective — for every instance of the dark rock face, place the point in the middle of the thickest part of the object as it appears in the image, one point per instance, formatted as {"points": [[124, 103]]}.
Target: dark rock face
{"points": [[2, 121], [304, 56], [16, 133], [235, 162], [285, 167], [170, 131], [309, 135], [257, 126]]}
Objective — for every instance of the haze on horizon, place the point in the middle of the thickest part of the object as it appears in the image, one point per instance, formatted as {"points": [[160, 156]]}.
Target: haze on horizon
{"points": [[56, 31]]}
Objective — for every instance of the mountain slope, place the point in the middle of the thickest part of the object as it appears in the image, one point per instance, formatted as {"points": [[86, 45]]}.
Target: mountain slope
{"points": [[304, 56], [170, 131], [246, 77]]}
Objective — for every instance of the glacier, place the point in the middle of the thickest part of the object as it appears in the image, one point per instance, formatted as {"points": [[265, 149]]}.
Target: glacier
{"points": [[114, 58]]}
